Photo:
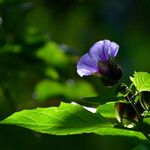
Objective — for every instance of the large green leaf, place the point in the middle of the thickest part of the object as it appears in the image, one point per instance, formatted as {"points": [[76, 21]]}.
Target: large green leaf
{"points": [[141, 81], [66, 119], [62, 120]]}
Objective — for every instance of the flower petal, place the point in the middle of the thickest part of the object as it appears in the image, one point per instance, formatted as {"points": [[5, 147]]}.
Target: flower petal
{"points": [[87, 65], [104, 52], [113, 50], [95, 50], [99, 51], [106, 45]]}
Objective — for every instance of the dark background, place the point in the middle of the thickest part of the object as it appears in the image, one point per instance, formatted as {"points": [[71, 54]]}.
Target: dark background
{"points": [[40, 43]]}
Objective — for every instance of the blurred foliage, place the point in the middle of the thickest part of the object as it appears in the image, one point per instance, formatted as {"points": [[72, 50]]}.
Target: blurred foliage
{"points": [[40, 43]]}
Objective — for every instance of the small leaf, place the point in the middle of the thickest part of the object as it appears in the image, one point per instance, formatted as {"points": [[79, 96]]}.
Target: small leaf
{"points": [[107, 110], [141, 81], [62, 120]]}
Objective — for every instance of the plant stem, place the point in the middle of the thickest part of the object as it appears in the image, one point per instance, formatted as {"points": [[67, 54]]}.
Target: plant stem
{"points": [[136, 110]]}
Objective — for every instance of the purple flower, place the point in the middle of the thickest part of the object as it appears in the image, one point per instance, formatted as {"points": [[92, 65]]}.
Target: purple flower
{"points": [[97, 60]]}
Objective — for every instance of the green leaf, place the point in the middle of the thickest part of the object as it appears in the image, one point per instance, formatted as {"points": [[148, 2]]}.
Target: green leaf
{"points": [[62, 120], [141, 81], [119, 132], [66, 119]]}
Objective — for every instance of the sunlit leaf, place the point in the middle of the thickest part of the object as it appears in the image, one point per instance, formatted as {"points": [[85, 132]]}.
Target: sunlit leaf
{"points": [[66, 119], [62, 120], [141, 81]]}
